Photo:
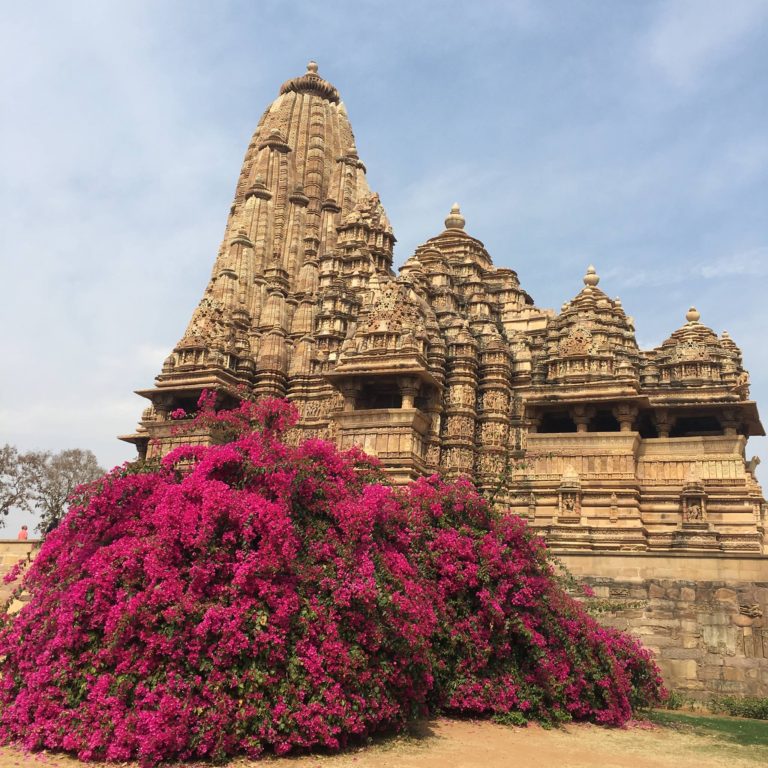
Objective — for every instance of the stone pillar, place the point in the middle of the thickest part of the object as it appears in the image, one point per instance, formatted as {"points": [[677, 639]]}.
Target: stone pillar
{"points": [[663, 421], [730, 421], [581, 416], [495, 395], [349, 391], [625, 414], [409, 388], [458, 452]]}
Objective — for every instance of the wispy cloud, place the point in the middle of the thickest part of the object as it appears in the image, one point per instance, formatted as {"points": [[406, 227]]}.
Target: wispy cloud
{"points": [[750, 263], [690, 36]]}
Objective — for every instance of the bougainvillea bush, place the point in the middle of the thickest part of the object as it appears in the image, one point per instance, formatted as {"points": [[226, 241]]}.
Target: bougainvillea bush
{"points": [[255, 596]]}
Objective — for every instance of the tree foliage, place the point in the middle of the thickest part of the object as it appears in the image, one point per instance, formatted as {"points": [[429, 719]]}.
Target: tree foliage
{"points": [[55, 478], [255, 596], [17, 479], [43, 482]]}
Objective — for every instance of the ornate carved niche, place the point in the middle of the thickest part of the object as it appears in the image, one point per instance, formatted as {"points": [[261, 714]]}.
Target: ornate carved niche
{"points": [[693, 502], [495, 401], [577, 342], [531, 506], [690, 350], [569, 497]]}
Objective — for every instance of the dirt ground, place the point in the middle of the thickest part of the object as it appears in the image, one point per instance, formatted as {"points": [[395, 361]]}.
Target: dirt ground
{"points": [[443, 743]]}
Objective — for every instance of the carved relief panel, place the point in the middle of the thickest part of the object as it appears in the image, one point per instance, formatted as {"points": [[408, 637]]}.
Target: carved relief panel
{"points": [[569, 509]]}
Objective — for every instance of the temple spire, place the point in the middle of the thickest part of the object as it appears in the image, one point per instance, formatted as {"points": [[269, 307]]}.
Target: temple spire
{"points": [[301, 188]]}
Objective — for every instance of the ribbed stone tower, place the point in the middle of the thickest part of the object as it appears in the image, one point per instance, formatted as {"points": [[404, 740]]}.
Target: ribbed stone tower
{"points": [[631, 462], [450, 367]]}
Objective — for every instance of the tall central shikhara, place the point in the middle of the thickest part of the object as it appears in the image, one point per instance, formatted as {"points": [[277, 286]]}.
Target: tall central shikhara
{"points": [[450, 367]]}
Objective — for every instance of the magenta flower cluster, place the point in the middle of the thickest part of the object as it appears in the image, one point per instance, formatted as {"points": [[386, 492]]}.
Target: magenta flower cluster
{"points": [[255, 596]]}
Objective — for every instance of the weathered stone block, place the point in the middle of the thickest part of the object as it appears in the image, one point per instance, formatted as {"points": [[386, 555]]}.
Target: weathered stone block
{"points": [[727, 686], [714, 618], [691, 627], [688, 594], [658, 642], [680, 669], [710, 673], [719, 639], [656, 590], [683, 653], [733, 674]]}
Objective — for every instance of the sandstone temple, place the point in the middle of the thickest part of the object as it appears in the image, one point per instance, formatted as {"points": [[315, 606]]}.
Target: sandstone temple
{"points": [[631, 462], [450, 366]]}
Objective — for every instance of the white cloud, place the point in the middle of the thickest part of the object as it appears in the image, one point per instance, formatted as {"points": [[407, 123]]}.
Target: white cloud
{"points": [[690, 36]]}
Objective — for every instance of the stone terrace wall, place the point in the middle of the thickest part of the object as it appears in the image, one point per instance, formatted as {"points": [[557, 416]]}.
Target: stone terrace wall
{"points": [[11, 551], [703, 617]]}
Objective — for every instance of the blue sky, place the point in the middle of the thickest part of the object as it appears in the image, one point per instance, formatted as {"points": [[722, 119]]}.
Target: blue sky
{"points": [[629, 134]]}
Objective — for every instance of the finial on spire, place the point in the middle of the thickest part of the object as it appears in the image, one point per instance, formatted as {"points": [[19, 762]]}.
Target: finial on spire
{"points": [[310, 82], [591, 278], [455, 220], [693, 315]]}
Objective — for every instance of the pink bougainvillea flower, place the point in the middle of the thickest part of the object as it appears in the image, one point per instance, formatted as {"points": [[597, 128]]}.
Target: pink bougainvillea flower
{"points": [[277, 597]]}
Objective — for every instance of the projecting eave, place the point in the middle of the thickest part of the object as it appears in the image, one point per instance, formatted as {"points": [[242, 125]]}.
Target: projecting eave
{"points": [[135, 438], [756, 428], [193, 380], [389, 372], [603, 391], [747, 410]]}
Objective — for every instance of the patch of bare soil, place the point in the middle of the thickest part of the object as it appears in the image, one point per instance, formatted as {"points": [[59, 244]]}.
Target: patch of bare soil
{"points": [[444, 743]]}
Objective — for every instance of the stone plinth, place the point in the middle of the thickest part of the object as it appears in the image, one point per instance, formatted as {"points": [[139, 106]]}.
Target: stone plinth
{"points": [[703, 617]]}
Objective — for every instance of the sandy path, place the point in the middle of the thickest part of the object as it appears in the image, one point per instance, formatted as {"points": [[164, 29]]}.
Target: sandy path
{"points": [[443, 743]]}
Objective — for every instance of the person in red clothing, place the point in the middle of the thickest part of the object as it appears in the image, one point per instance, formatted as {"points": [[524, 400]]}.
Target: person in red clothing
{"points": [[23, 534]]}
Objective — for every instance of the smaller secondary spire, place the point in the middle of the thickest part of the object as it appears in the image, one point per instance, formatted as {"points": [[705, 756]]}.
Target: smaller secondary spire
{"points": [[693, 315], [455, 220], [591, 278]]}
